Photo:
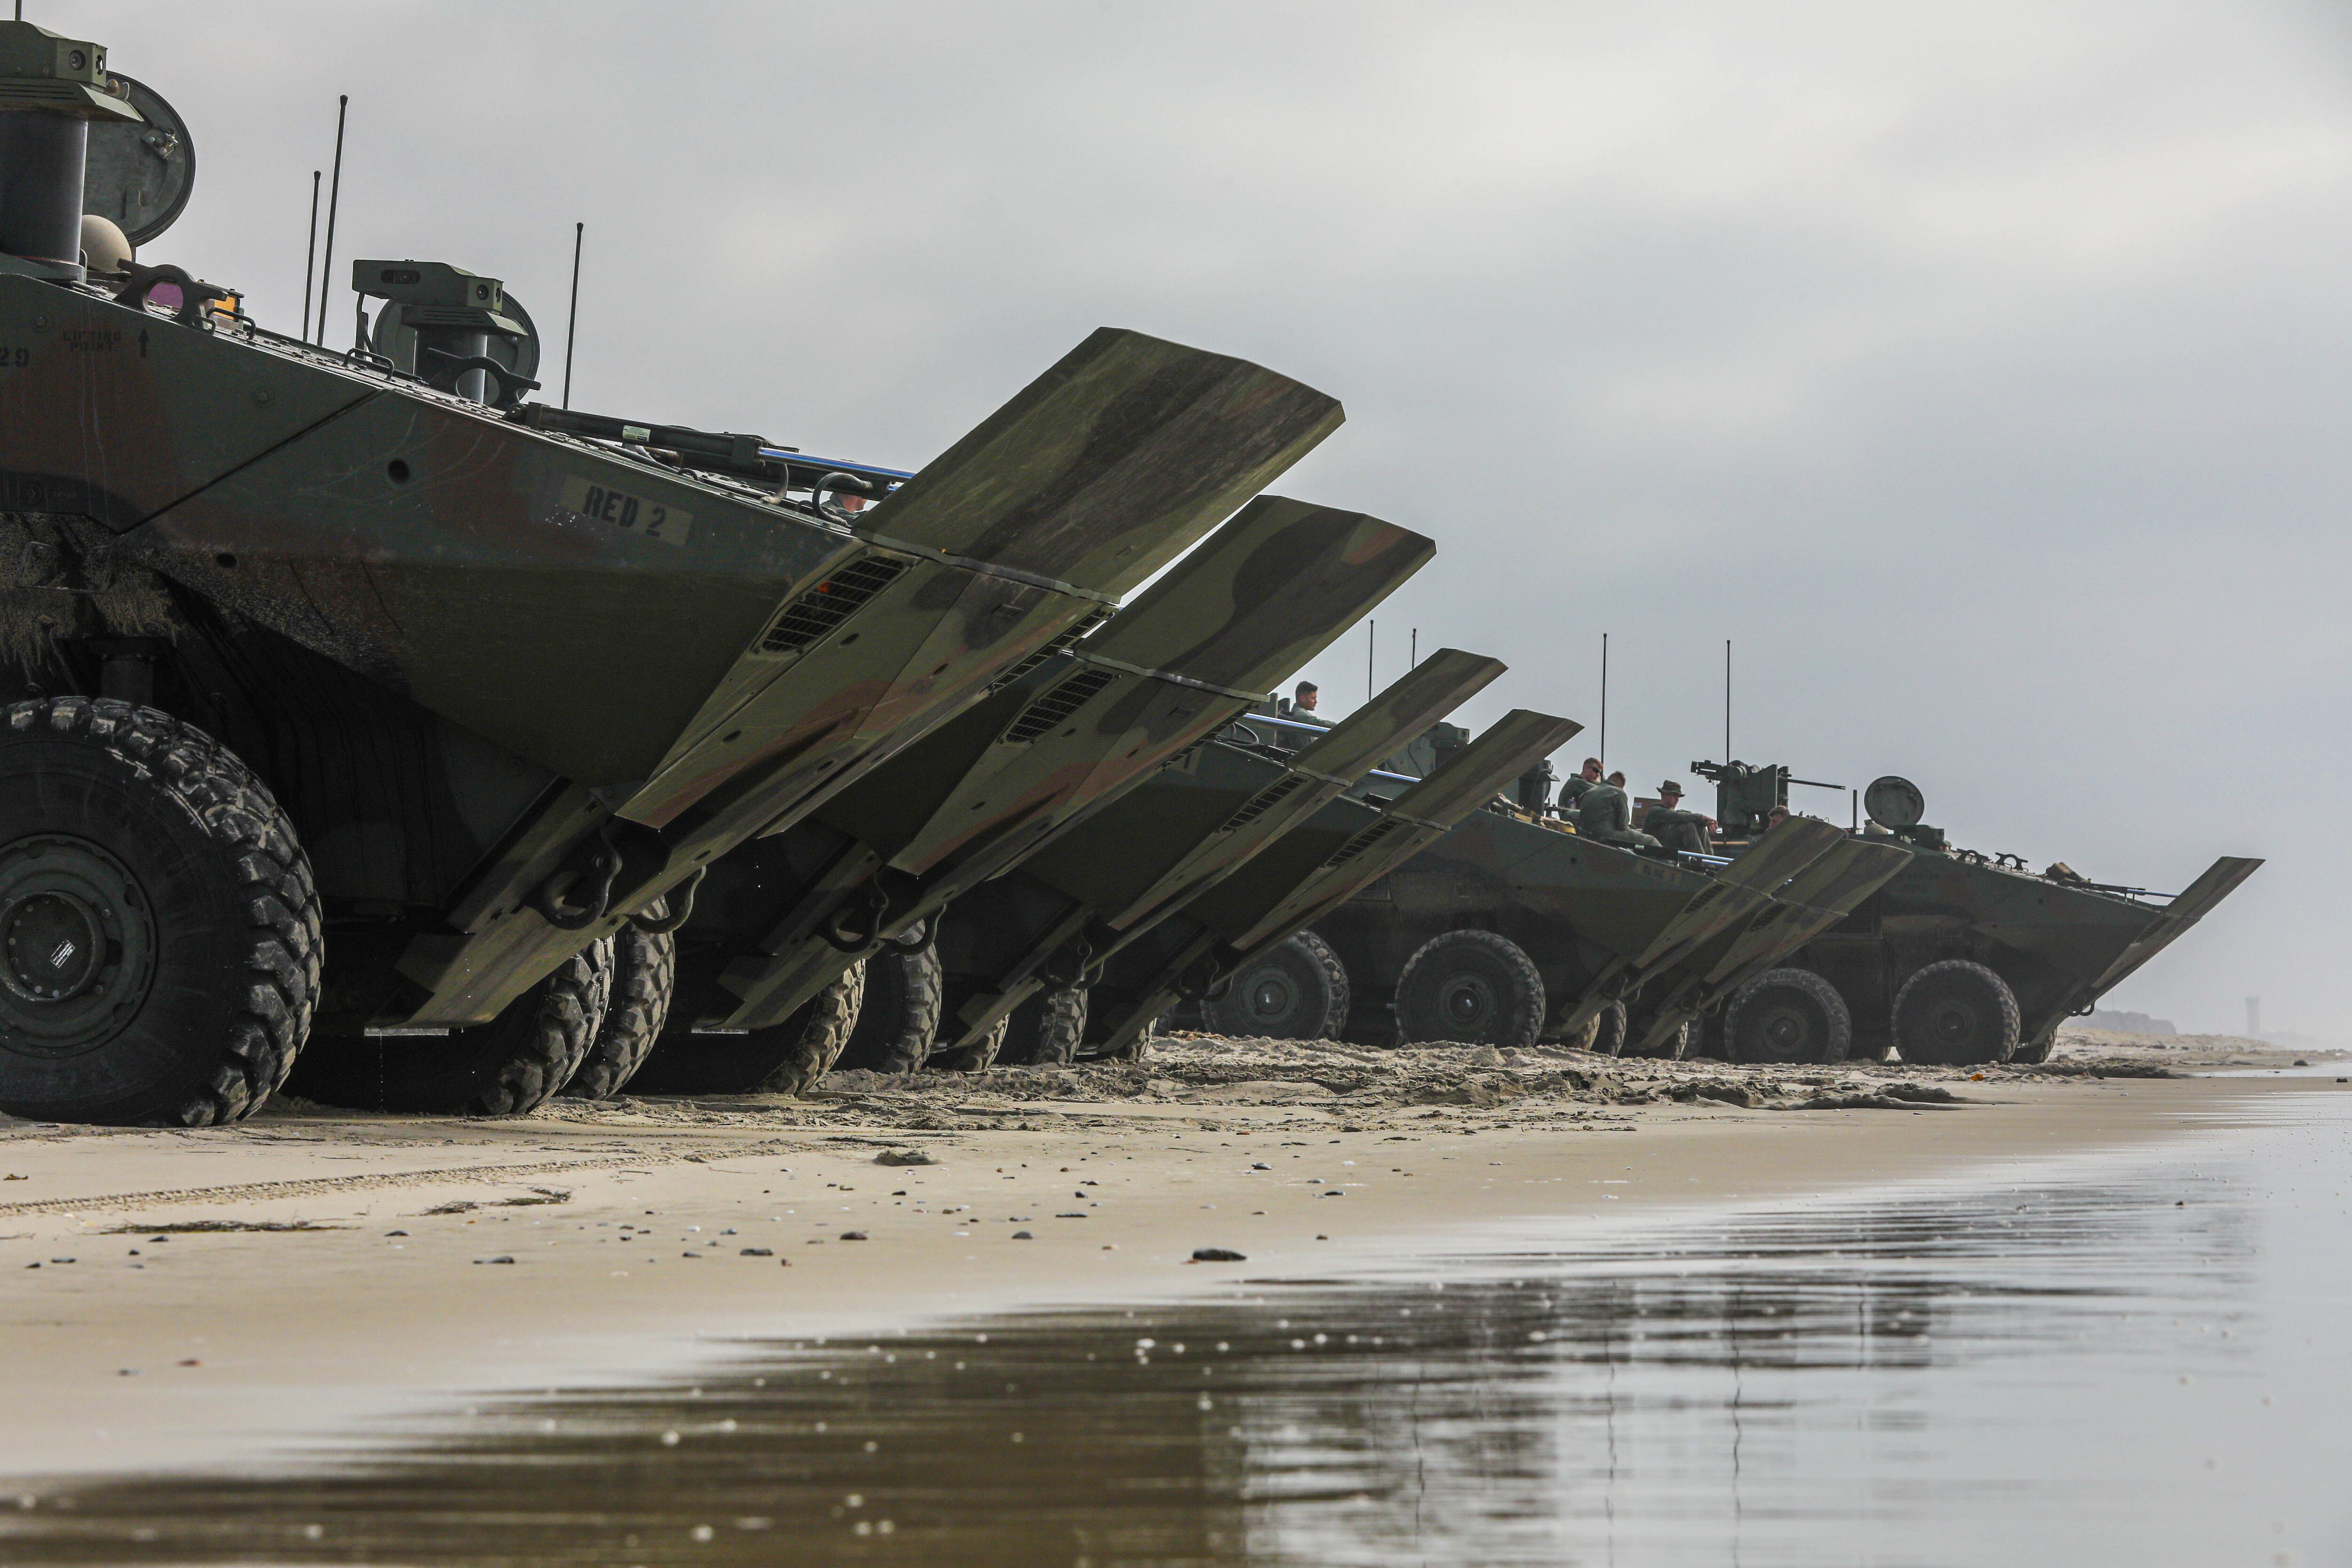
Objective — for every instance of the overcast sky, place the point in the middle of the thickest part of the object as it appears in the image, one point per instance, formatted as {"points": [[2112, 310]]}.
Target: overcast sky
{"points": [[1979, 371]]}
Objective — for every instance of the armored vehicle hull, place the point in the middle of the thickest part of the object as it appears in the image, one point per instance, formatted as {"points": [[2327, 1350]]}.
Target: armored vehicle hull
{"points": [[2054, 947], [1510, 929]]}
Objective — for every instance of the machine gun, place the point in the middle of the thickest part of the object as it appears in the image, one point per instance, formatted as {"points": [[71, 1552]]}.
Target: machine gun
{"points": [[1746, 793]]}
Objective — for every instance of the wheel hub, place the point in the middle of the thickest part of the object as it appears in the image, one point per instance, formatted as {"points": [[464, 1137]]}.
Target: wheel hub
{"points": [[1953, 1024], [1786, 1029], [77, 945], [1271, 997], [1467, 1002], [51, 944]]}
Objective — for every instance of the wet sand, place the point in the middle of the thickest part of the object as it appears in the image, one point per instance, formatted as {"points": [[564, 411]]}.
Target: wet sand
{"points": [[586, 1243]]}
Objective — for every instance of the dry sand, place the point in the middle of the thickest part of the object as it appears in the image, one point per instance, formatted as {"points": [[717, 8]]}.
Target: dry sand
{"points": [[168, 1297]]}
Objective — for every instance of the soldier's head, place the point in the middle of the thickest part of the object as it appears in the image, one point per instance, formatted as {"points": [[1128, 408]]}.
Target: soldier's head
{"points": [[1592, 769], [1617, 781], [1304, 695], [1670, 795], [1774, 817]]}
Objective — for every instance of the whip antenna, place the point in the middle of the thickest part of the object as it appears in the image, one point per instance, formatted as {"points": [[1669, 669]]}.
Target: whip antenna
{"points": [[572, 326], [334, 198], [310, 257]]}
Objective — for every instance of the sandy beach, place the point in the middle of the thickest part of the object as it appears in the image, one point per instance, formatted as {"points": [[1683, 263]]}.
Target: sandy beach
{"points": [[173, 1297]]}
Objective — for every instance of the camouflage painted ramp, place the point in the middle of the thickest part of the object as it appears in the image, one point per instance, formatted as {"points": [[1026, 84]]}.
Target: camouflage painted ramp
{"points": [[1093, 887], [1110, 463], [1341, 758], [1093, 479], [1737, 893], [2193, 904], [1269, 590], [1348, 844], [1811, 901]]}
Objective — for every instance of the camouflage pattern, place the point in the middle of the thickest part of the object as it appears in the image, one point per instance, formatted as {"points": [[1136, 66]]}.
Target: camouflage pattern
{"points": [[1596, 920], [1810, 901], [2059, 946], [1078, 902], [1317, 866], [563, 650], [1270, 588]]}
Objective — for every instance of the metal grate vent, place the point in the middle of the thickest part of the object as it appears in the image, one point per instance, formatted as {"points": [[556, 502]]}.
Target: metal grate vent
{"points": [[1265, 800], [1364, 840], [821, 609], [1060, 645], [1057, 705]]}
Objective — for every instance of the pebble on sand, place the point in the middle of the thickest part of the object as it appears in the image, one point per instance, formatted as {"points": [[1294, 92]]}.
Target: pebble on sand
{"points": [[1218, 1255], [853, 1236], [905, 1157]]}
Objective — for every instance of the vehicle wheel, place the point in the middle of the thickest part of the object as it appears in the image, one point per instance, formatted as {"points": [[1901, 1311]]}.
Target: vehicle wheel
{"points": [[973, 1058], [1137, 1048], [1471, 986], [2036, 1051], [1046, 1030], [783, 1059], [503, 1068], [1608, 1030], [159, 929], [1673, 1048], [644, 973], [1297, 990], [1788, 1015], [1583, 1038], [900, 1017], [1955, 1013]]}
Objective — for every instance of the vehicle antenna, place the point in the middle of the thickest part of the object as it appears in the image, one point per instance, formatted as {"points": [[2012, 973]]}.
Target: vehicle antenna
{"points": [[1412, 651], [310, 257], [570, 326], [334, 198], [1604, 698], [1726, 700], [1857, 808], [1371, 644]]}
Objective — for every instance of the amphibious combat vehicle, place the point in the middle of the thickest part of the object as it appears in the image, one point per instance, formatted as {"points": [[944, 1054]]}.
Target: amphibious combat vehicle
{"points": [[1513, 929], [1959, 957], [356, 695]]}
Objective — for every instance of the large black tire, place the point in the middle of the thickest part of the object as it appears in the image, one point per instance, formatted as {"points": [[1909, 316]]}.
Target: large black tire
{"points": [[785, 1059], [1609, 1031], [1046, 1030], [159, 929], [1470, 986], [1788, 1015], [1955, 1013], [899, 1016], [1673, 1047], [645, 976], [1297, 990], [2035, 1052], [504, 1068], [977, 1058]]}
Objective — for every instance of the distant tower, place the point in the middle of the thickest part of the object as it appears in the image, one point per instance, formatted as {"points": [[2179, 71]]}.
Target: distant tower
{"points": [[2254, 1017]]}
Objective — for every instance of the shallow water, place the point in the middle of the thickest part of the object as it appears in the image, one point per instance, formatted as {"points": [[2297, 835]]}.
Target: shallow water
{"points": [[2124, 1360]]}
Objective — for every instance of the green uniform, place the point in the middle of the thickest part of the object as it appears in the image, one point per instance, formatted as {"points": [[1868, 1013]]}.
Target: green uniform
{"points": [[1606, 813], [1678, 829]]}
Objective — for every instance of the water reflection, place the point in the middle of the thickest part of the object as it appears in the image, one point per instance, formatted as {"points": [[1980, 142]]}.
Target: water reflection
{"points": [[1998, 1375]]}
